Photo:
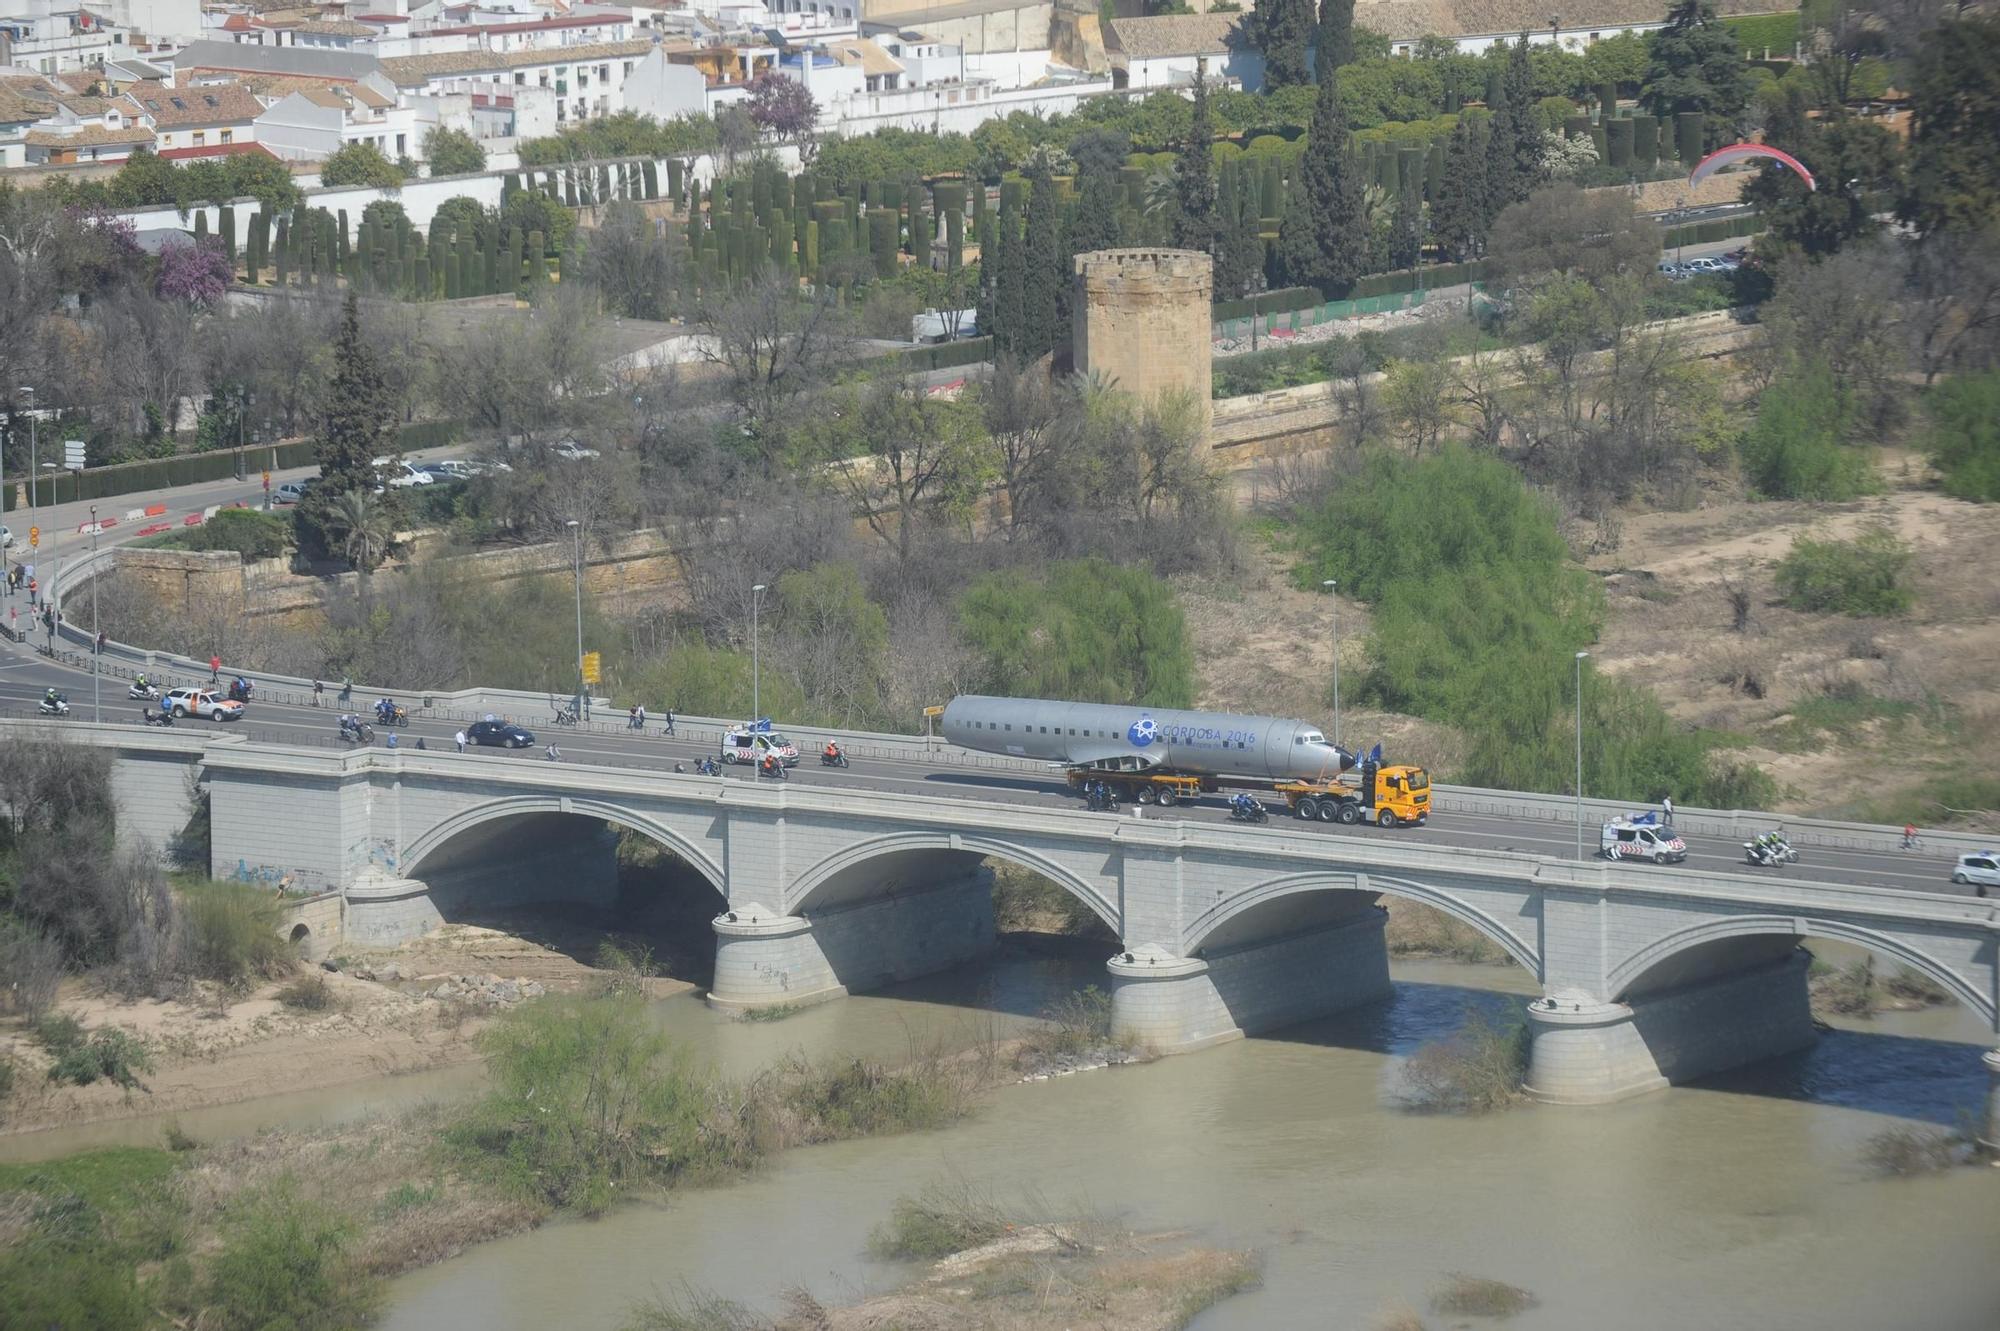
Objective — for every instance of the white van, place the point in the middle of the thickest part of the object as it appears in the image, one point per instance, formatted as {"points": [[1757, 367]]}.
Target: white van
{"points": [[743, 744], [1981, 868], [1629, 839]]}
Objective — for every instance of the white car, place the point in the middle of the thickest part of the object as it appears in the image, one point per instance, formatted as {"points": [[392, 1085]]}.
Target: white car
{"points": [[1980, 868], [202, 702], [451, 469], [6, 538], [571, 451], [400, 474]]}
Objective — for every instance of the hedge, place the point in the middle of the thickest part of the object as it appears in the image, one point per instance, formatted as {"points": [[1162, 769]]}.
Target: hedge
{"points": [[1721, 228], [940, 356], [1777, 32]]}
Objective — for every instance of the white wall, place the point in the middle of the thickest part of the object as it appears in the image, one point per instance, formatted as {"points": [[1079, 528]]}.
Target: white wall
{"points": [[297, 129], [931, 108], [662, 89]]}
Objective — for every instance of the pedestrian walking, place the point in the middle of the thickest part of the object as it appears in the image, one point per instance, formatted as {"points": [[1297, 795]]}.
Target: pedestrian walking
{"points": [[554, 754], [632, 719], [1667, 808], [346, 689], [670, 720], [459, 739], [214, 669], [100, 643], [392, 739], [319, 691]]}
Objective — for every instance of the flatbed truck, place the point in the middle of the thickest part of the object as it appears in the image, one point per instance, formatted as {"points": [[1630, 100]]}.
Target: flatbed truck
{"points": [[1388, 796]]}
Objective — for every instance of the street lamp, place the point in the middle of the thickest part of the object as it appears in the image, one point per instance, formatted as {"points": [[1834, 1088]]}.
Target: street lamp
{"points": [[1333, 599], [756, 697], [96, 651], [577, 530], [1579, 753]]}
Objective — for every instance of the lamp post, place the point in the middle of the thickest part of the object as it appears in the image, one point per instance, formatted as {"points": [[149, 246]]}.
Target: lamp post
{"points": [[96, 652], [1333, 599], [1579, 753], [756, 697], [576, 530]]}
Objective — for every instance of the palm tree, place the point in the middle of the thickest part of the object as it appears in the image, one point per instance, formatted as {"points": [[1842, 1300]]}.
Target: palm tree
{"points": [[364, 525]]}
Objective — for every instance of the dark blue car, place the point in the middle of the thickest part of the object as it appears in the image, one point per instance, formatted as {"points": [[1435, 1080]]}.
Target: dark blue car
{"points": [[499, 735]]}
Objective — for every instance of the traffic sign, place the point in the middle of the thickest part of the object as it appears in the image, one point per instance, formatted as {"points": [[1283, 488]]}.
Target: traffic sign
{"points": [[592, 668], [73, 454], [35, 536]]}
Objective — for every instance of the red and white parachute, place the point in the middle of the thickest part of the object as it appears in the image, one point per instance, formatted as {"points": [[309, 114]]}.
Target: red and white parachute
{"points": [[1740, 152]]}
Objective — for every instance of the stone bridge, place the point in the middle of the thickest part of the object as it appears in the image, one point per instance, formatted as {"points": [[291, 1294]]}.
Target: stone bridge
{"points": [[1649, 975]]}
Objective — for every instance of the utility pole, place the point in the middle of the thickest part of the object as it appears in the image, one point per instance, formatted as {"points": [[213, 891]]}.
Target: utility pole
{"points": [[1333, 599], [1579, 753], [576, 531], [33, 462], [96, 652], [756, 697]]}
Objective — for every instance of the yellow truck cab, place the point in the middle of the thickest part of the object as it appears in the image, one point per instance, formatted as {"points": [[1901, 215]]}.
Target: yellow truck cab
{"points": [[1402, 795]]}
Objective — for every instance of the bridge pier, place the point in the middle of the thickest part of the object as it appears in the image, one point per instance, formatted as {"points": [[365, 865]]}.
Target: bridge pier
{"points": [[763, 959], [1591, 1052], [1989, 1136], [1176, 1005], [384, 908]]}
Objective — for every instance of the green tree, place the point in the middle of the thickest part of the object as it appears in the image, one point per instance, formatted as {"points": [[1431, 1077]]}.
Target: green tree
{"points": [[1336, 35], [1087, 631], [1851, 159], [1616, 60], [1695, 63], [356, 415], [1195, 221], [363, 527], [1526, 123], [360, 164], [529, 211], [1324, 236], [453, 152], [1461, 215], [1239, 249], [1283, 29], [1041, 264], [1954, 171], [1406, 228]]}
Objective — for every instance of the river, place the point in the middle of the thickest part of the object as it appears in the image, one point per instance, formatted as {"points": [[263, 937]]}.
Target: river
{"points": [[1740, 1202]]}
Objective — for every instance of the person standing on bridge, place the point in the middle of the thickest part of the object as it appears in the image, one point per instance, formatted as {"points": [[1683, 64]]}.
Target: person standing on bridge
{"points": [[1666, 808], [670, 720], [639, 718], [319, 691], [459, 739], [346, 689], [214, 669]]}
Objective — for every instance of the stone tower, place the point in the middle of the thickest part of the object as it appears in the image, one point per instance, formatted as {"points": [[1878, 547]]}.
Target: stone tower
{"points": [[1141, 320]]}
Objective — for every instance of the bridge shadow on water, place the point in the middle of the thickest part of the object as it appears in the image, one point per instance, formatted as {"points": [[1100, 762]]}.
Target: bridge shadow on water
{"points": [[1024, 977], [1916, 1077]]}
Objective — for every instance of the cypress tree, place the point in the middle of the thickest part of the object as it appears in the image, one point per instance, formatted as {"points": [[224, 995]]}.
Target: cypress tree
{"points": [[1434, 170], [1284, 29], [921, 223], [1336, 35], [1041, 261], [1001, 253], [537, 271], [882, 240], [344, 240], [451, 280], [228, 217], [200, 225], [1324, 237], [1195, 222], [1406, 228], [1459, 213], [1239, 249], [284, 250], [1093, 223], [1527, 164]]}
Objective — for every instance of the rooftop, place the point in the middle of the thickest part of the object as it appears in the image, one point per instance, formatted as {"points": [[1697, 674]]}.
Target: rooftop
{"points": [[89, 136], [206, 104], [416, 70], [1406, 20], [1171, 34]]}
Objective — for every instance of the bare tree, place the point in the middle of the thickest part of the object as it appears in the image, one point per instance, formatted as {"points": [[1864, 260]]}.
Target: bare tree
{"points": [[775, 344], [1953, 302]]}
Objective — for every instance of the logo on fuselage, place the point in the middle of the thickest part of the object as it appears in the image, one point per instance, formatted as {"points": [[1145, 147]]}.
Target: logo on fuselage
{"points": [[1143, 731]]}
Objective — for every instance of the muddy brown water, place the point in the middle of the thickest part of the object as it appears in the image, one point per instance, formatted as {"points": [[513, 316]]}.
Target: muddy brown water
{"points": [[1738, 1202]]}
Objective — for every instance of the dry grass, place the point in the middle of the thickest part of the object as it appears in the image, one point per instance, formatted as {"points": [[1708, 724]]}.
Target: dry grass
{"points": [[1906, 1152], [1398, 1317], [1416, 930], [1477, 1069]]}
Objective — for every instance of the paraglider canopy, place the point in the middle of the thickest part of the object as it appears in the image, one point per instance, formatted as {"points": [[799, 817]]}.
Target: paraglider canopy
{"points": [[1740, 152]]}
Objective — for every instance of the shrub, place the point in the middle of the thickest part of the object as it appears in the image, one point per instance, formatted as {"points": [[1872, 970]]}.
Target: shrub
{"points": [[1478, 1069], [252, 534], [1915, 987], [31, 968], [309, 993], [110, 1054], [587, 1094], [1847, 991], [281, 1266], [1797, 448], [1088, 630], [690, 1309], [6, 1078], [1076, 1024], [942, 1219], [233, 933], [62, 1271], [854, 1097], [1906, 1152], [1964, 441], [1865, 576], [59, 1032]]}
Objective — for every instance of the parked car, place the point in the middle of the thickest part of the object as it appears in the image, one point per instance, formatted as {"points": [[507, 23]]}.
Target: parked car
{"points": [[571, 451], [201, 702], [498, 735], [400, 474], [292, 492], [6, 538], [1980, 868]]}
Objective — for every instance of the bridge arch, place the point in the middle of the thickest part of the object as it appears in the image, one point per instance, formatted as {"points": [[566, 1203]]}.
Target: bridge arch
{"points": [[1634, 968], [820, 877], [1217, 919], [519, 806]]}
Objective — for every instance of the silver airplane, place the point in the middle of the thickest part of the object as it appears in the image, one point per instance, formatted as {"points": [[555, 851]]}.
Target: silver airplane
{"points": [[1114, 738]]}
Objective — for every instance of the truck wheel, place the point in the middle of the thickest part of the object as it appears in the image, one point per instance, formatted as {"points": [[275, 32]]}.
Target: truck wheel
{"points": [[1385, 818], [1306, 808], [1166, 799], [1328, 811], [1350, 812], [1146, 795]]}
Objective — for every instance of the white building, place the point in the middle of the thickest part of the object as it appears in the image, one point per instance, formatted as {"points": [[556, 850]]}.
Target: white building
{"points": [[55, 37], [196, 116], [1162, 52], [312, 124], [1474, 25], [587, 80]]}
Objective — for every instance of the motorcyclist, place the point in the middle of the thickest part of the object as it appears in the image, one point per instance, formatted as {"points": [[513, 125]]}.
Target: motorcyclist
{"points": [[1909, 835], [350, 724], [239, 688], [832, 752], [385, 711], [51, 698], [774, 766], [141, 682]]}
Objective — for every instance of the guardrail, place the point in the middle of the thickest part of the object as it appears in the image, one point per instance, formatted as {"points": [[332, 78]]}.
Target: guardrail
{"points": [[463, 706]]}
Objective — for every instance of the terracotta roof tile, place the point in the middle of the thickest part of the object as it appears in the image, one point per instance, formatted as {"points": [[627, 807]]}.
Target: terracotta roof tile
{"points": [[89, 136], [202, 104], [1172, 34]]}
